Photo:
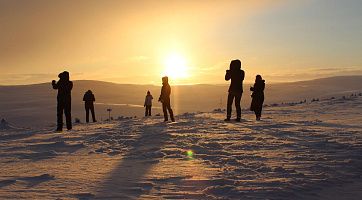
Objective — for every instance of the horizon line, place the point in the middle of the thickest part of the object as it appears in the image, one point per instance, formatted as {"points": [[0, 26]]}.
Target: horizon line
{"points": [[183, 84]]}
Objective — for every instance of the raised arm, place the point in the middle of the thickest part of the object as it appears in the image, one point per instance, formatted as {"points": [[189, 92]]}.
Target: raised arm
{"points": [[55, 85]]}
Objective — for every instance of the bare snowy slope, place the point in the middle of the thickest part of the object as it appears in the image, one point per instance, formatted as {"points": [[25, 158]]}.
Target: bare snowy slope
{"points": [[295, 152]]}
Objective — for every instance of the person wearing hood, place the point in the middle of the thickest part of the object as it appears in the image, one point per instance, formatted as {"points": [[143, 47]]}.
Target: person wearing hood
{"points": [[257, 96], [89, 100], [235, 89], [148, 103], [165, 99], [64, 100]]}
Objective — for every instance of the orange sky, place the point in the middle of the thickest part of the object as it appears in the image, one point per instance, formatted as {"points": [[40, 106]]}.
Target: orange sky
{"points": [[130, 41]]}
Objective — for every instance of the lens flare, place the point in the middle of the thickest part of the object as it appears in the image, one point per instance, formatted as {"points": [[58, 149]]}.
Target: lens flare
{"points": [[190, 154]]}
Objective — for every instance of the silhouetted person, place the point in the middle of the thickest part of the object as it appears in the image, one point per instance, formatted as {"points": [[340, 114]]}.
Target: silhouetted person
{"points": [[64, 99], [165, 99], [148, 103], [89, 100], [236, 88], [257, 96]]}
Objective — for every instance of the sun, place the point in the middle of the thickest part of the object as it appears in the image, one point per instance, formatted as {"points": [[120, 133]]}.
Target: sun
{"points": [[175, 66]]}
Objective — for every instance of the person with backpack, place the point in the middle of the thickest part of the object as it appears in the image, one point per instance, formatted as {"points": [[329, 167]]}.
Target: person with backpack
{"points": [[64, 100], [148, 104], [89, 100], [257, 96], [165, 99], [236, 75]]}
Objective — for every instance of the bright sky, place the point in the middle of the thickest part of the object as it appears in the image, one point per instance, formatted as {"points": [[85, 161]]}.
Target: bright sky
{"points": [[192, 41]]}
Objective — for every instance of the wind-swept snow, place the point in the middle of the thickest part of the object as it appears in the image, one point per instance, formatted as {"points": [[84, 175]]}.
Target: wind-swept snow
{"points": [[295, 152]]}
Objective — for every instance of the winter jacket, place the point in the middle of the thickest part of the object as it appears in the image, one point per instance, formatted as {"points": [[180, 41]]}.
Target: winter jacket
{"points": [[148, 100], [64, 86], [237, 77], [258, 89], [165, 93], [89, 97]]}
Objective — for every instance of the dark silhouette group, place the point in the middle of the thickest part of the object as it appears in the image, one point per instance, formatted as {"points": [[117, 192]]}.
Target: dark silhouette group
{"points": [[235, 92], [237, 75]]}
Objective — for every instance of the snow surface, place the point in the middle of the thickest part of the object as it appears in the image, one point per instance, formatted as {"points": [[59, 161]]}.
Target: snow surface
{"points": [[305, 151]]}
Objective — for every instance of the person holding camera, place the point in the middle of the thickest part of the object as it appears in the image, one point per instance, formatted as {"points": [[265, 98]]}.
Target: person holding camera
{"points": [[64, 100], [236, 75]]}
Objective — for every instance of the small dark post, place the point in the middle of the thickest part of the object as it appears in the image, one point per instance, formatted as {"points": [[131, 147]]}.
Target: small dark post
{"points": [[109, 113]]}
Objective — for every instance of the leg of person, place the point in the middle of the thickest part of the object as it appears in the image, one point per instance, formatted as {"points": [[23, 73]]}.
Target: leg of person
{"points": [[93, 113], [171, 112], [86, 113], [258, 113], [238, 107], [165, 111], [260, 108], [68, 116], [229, 104], [60, 108], [146, 112]]}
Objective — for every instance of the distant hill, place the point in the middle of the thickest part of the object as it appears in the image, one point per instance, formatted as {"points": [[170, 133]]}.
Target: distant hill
{"points": [[35, 105]]}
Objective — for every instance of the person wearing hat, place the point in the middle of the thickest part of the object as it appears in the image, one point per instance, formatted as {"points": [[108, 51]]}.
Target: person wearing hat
{"points": [[148, 103]]}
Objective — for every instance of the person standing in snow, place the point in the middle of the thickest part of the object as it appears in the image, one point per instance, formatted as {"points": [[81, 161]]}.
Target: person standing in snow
{"points": [[148, 103], [165, 99], [89, 100], [64, 100], [235, 89], [257, 96]]}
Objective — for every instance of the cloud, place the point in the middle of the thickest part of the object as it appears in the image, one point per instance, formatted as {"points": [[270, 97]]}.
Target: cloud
{"points": [[312, 73]]}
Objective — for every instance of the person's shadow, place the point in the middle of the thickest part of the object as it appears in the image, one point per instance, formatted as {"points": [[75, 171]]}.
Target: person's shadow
{"points": [[126, 181]]}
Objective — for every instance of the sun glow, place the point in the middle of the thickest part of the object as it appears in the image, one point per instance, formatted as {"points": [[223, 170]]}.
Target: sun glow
{"points": [[175, 67]]}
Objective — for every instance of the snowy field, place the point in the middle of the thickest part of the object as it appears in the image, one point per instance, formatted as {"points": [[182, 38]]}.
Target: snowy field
{"points": [[306, 151]]}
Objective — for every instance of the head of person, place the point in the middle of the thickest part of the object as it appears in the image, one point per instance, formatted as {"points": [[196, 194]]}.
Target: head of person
{"points": [[235, 65], [165, 80], [64, 76], [89, 91], [148, 92], [258, 78]]}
